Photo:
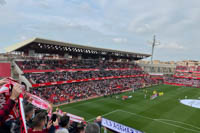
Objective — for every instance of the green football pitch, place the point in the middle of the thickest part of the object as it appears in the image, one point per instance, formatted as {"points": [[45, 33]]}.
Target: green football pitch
{"points": [[164, 114]]}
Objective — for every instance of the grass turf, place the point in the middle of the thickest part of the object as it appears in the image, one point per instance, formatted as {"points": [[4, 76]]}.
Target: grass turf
{"points": [[164, 114]]}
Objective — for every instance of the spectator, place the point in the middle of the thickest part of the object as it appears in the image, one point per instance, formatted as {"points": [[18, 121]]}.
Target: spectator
{"points": [[92, 128], [10, 103], [29, 114], [5, 111], [80, 128], [39, 123], [64, 124]]}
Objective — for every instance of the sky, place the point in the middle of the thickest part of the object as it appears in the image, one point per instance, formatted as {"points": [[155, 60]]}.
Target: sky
{"points": [[117, 24]]}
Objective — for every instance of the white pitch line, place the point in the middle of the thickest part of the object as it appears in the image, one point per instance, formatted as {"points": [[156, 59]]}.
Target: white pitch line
{"points": [[179, 122], [136, 114], [159, 121], [178, 126], [104, 114]]}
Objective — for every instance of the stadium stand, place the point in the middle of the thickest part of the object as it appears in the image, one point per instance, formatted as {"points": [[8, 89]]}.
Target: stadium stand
{"points": [[32, 65], [58, 94], [53, 65], [55, 71], [185, 76], [54, 78]]}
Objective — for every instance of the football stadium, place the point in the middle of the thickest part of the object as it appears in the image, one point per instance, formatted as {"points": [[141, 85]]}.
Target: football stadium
{"points": [[104, 85], [86, 66]]}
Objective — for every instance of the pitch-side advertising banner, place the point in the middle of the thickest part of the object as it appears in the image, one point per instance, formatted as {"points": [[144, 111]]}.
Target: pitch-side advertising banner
{"points": [[118, 127]]}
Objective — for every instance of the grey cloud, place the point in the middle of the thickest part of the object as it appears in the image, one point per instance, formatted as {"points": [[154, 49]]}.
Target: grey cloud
{"points": [[2, 2], [43, 4]]}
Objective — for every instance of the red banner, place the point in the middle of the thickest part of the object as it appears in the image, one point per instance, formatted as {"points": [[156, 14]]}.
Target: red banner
{"points": [[22, 114], [4, 96], [35, 70], [83, 80], [75, 70], [177, 84], [116, 69], [38, 102], [187, 71], [157, 77], [186, 77]]}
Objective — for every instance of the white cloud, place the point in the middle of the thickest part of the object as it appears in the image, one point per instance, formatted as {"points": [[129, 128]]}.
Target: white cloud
{"points": [[172, 46], [85, 6], [22, 38], [143, 29], [119, 40]]}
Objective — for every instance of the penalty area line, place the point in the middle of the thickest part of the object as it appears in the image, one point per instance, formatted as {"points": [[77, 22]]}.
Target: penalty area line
{"points": [[179, 122], [160, 121]]}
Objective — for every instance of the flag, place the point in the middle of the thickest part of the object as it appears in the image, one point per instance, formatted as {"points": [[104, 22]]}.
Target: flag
{"points": [[38, 102], [22, 114], [4, 97]]}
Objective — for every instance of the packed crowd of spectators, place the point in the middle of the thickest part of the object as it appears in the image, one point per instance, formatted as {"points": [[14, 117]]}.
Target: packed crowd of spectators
{"points": [[75, 91], [188, 74], [191, 72], [37, 120], [72, 64], [198, 68], [188, 68], [181, 68], [183, 81], [37, 78], [58, 94]]}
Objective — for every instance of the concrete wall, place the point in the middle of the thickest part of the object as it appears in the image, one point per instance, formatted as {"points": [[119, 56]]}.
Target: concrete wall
{"points": [[158, 68]]}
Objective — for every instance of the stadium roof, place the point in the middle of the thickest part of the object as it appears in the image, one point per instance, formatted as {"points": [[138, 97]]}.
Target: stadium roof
{"points": [[23, 46]]}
